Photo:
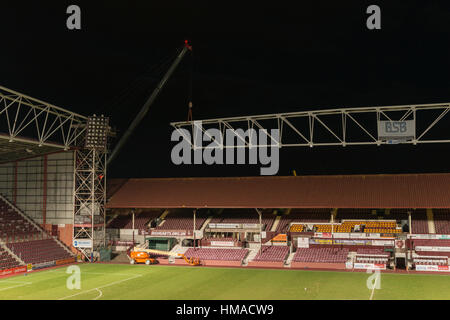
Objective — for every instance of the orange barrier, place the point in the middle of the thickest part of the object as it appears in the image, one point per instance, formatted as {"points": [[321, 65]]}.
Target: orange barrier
{"points": [[65, 261]]}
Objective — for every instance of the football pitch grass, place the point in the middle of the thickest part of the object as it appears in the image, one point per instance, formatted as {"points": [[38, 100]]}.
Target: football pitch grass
{"points": [[131, 282]]}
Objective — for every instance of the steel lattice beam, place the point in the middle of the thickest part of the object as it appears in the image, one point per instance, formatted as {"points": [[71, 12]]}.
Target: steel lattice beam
{"points": [[40, 122], [428, 115]]}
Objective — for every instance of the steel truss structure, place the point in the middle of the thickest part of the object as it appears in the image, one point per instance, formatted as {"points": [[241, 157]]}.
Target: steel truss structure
{"points": [[90, 198], [30, 127], [330, 127], [35, 125]]}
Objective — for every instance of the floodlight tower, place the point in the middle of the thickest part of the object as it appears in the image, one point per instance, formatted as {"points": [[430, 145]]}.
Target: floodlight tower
{"points": [[90, 187]]}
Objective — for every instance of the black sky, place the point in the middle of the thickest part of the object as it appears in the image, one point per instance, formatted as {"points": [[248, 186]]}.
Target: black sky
{"points": [[248, 59]]}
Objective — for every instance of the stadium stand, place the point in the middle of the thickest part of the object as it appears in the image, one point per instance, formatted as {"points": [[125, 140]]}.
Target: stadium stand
{"points": [[216, 241], [24, 239], [430, 260], [180, 219], [419, 222], [296, 228], [303, 215], [39, 251], [441, 221], [217, 254], [14, 227], [140, 220], [372, 255], [322, 255], [7, 261], [272, 253]]}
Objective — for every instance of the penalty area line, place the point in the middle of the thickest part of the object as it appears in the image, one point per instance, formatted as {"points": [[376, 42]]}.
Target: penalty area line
{"points": [[98, 288]]}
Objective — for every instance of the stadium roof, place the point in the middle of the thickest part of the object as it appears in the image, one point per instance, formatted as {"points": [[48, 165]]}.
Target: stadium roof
{"points": [[339, 191], [30, 127]]}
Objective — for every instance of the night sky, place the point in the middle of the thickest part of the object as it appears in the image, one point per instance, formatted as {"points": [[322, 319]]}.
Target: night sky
{"points": [[247, 60]]}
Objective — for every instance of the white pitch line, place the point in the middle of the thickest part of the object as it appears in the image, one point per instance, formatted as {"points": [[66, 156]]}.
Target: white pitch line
{"points": [[16, 286], [101, 293], [107, 285]]}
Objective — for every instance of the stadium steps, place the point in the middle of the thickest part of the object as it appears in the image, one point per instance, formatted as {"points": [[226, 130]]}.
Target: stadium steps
{"points": [[164, 214], [112, 219], [179, 249], [163, 217], [37, 226], [275, 224], [430, 218], [287, 264], [206, 223], [11, 253], [250, 256]]}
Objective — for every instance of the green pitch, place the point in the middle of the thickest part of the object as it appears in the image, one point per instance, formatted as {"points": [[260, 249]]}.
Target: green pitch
{"points": [[105, 281]]}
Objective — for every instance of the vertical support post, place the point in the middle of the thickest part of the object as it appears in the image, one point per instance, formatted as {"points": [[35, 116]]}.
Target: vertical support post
{"points": [[260, 230], [408, 249], [409, 222], [332, 222], [133, 225], [44, 193], [15, 183], [195, 213]]}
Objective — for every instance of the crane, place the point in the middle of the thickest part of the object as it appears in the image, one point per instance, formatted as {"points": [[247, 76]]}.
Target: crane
{"points": [[148, 103]]}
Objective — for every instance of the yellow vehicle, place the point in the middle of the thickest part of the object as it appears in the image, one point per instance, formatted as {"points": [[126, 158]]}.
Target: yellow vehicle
{"points": [[142, 255]]}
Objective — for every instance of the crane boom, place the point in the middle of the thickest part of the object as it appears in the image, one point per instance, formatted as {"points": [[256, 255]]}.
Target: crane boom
{"points": [[138, 251], [147, 104], [158, 252]]}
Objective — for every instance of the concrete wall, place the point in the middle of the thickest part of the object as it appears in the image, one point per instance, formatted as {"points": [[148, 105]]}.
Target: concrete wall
{"points": [[23, 181]]}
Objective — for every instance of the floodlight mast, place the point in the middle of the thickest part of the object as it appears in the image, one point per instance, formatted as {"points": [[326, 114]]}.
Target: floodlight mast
{"points": [[148, 103]]}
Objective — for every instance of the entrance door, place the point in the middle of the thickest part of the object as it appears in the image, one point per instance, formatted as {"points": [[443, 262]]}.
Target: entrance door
{"points": [[400, 263]]}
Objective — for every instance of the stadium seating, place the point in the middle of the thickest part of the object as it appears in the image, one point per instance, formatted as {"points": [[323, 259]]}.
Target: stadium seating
{"points": [[216, 254], [296, 228], [323, 255], [140, 220], [372, 251], [372, 255], [39, 251], [419, 222], [429, 260], [6, 260], [303, 215], [442, 221], [182, 220], [206, 241], [369, 227], [14, 227], [272, 253]]}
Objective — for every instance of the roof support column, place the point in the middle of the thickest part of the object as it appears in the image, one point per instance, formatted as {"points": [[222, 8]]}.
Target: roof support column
{"points": [[195, 213], [260, 230]]}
